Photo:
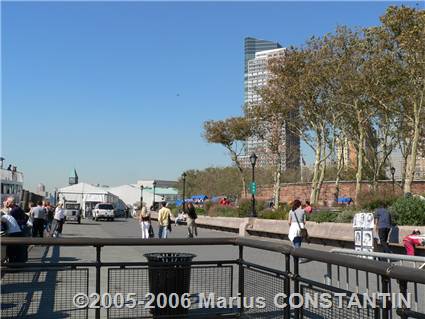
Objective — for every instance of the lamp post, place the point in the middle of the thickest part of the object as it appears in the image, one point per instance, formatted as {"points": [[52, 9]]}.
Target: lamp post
{"points": [[253, 160], [141, 196], [154, 185], [184, 190], [392, 169]]}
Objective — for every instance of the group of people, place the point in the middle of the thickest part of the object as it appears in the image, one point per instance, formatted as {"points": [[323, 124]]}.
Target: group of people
{"points": [[42, 220], [165, 221]]}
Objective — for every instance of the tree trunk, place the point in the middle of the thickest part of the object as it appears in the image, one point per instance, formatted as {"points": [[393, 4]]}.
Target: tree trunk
{"points": [[340, 167], [322, 172], [360, 152], [411, 166], [276, 186], [240, 170], [315, 180]]}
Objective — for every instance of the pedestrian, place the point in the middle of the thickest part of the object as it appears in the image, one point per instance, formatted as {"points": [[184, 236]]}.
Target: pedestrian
{"points": [[191, 220], [14, 253], [164, 218], [50, 212], [39, 218], [145, 221], [17, 212], [383, 226], [58, 219], [413, 240], [308, 209], [296, 220]]}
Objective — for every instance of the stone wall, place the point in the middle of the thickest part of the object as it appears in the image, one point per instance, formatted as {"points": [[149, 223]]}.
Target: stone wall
{"points": [[301, 191]]}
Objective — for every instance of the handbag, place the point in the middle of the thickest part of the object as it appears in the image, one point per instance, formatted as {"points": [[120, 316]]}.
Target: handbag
{"points": [[303, 231]]}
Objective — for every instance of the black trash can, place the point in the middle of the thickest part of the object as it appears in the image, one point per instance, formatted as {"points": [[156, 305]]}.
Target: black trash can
{"points": [[169, 274]]}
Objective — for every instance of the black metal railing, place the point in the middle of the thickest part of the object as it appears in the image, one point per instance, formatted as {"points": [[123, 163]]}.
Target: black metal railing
{"points": [[46, 290]]}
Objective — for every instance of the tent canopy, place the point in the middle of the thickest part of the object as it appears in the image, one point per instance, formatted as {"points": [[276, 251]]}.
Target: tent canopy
{"points": [[201, 197]]}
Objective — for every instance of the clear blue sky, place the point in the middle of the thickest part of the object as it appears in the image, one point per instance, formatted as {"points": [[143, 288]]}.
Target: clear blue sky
{"points": [[120, 90]]}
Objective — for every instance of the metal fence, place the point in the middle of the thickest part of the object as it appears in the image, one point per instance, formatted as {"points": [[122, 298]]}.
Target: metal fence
{"points": [[215, 288]]}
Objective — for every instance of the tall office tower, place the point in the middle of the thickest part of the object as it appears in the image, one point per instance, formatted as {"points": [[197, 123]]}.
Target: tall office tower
{"points": [[256, 76], [252, 46]]}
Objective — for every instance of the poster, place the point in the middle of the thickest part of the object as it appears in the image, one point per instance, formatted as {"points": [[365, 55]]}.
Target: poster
{"points": [[363, 224], [367, 239], [358, 238]]}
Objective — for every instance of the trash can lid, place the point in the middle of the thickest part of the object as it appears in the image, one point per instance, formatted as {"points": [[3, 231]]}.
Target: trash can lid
{"points": [[169, 257]]}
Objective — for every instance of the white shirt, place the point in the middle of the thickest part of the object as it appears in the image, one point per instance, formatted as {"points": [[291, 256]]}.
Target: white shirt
{"points": [[12, 225], [59, 214]]}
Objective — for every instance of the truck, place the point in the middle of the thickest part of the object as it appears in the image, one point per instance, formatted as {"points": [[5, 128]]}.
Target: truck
{"points": [[72, 211], [103, 210]]}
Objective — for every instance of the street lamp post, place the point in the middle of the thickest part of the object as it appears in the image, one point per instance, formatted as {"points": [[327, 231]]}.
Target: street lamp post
{"points": [[184, 191], [253, 160], [141, 195], [154, 185], [392, 169]]}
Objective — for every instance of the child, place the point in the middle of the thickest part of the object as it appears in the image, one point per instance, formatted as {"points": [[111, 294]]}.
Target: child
{"points": [[412, 240]]}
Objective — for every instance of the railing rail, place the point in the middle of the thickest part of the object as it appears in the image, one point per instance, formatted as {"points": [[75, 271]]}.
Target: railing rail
{"points": [[247, 273]]}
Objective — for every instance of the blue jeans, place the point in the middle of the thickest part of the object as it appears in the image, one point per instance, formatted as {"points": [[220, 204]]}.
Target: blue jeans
{"points": [[297, 242], [162, 232]]}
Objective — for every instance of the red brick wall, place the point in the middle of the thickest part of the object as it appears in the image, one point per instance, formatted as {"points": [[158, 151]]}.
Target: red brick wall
{"points": [[301, 191]]}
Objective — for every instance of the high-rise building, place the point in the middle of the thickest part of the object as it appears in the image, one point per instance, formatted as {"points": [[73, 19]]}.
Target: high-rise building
{"points": [[252, 46], [257, 56]]}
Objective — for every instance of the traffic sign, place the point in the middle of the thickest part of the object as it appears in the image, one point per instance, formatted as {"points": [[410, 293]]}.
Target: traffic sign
{"points": [[254, 188]]}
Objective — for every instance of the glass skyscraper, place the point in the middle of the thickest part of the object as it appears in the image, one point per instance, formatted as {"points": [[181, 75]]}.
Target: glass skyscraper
{"points": [[252, 46]]}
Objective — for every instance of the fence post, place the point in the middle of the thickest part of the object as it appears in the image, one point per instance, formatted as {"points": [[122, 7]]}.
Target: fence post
{"points": [[296, 285], [403, 290], [287, 286], [98, 269], [241, 277], [385, 282]]}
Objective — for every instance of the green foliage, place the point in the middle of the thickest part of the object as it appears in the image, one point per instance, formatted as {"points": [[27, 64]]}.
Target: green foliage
{"points": [[200, 211], [245, 207], [408, 211], [223, 211], [323, 217], [207, 205], [371, 200], [345, 216], [280, 213]]}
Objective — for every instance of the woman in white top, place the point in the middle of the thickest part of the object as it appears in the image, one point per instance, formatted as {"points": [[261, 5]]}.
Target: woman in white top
{"points": [[58, 219], [145, 221], [296, 220]]}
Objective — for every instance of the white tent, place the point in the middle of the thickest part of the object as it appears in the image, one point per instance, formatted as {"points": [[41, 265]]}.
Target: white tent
{"points": [[130, 194], [87, 195]]}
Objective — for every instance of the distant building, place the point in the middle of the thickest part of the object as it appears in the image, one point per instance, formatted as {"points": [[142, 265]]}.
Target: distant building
{"points": [[397, 161], [73, 178], [346, 150], [41, 189], [256, 76]]}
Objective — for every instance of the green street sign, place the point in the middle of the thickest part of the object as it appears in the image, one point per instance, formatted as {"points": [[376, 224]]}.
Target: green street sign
{"points": [[253, 188]]}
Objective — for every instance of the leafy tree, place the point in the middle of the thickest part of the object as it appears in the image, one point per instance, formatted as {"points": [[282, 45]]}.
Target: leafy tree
{"points": [[230, 133]]}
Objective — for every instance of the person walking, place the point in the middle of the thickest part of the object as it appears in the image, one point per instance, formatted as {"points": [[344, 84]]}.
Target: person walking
{"points": [[39, 216], [50, 212], [16, 212], [191, 220], [145, 221], [14, 253], [164, 218], [383, 226], [296, 222], [57, 221]]}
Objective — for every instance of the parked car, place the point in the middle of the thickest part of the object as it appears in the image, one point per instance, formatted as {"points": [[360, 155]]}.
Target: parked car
{"points": [[72, 212], [103, 210]]}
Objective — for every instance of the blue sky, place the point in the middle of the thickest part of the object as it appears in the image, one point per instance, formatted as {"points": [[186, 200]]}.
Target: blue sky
{"points": [[120, 90]]}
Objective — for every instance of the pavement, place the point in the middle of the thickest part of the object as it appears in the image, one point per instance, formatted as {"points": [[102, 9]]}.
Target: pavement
{"points": [[124, 228]]}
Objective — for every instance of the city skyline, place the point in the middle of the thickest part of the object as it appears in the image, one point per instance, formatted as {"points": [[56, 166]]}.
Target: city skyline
{"points": [[119, 91]]}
